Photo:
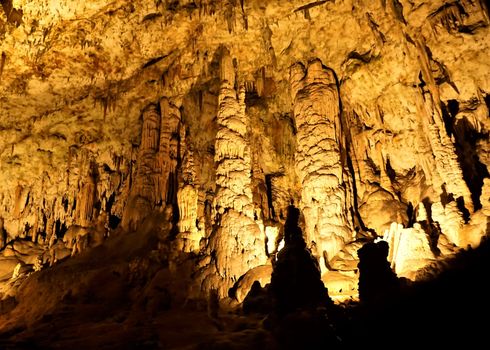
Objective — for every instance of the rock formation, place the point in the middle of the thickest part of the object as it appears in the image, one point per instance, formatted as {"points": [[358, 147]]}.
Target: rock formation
{"points": [[409, 249], [319, 160], [238, 243], [204, 121]]}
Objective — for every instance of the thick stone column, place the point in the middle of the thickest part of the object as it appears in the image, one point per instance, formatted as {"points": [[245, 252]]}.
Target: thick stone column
{"points": [[318, 159], [237, 244]]}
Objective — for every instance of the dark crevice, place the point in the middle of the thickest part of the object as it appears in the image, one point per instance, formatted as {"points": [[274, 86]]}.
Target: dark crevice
{"points": [[446, 197], [463, 209], [373, 166], [172, 6], [487, 99], [364, 57], [375, 27], [431, 227], [268, 185], [311, 5], [390, 171], [398, 10], [409, 39], [450, 16], [448, 115], [64, 203], [466, 149], [453, 107], [486, 6], [114, 221], [410, 214], [422, 83], [471, 28], [252, 98], [2, 63], [151, 16], [441, 74], [355, 210], [110, 202], [173, 184], [27, 227], [60, 229], [154, 61], [13, 15]]}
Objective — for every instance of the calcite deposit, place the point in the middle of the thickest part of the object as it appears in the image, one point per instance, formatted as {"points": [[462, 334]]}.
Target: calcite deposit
{"points": [[204, 120]]}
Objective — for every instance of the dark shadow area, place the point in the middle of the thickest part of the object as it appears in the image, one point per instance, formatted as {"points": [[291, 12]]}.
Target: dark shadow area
{"points": [[13, 15], [296, 301], [114, 221], [270, 201], [450, 310], [296, 282], [377, 281]]}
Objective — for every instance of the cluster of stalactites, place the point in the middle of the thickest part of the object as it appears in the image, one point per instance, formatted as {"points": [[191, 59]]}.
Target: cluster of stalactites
{"points": [[446, 159], [455, 15], [155, 180], [86, 198], [318, 159]]}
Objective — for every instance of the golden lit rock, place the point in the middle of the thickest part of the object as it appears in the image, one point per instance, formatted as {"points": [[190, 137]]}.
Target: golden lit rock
{"points": [[409, 249], [170, 137], [318, 159]]}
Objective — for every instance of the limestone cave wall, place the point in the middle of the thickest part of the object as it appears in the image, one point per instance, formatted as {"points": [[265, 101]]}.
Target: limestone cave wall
{"points": [[372, 117]]}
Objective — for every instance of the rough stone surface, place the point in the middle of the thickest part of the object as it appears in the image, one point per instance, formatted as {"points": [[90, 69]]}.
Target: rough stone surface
{"points": [[222, 114]]}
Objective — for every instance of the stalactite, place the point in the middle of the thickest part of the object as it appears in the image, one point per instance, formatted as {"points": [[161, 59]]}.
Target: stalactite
{"points": [[281, 199], [164, 163], [449, 219], [318, 159], [449, 16], [260, 200], [142, 196], [440, 162], [187, 199], [85, 199], [238, 243], [444, 153], [409, 249], [21, 195], [168, 152], [190, 232]]}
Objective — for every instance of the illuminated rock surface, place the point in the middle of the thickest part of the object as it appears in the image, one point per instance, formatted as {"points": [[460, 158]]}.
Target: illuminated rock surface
{"points": [[197, 123]]}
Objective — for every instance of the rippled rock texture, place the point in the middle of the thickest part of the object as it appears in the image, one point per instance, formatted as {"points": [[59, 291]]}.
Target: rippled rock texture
{"points": [[204, 120]]}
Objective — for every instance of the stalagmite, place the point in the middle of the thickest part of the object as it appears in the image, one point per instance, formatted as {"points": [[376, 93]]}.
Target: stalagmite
{"points": [[142, 196], [446, 160], [167, 158], [86, 199], [238, 243], [187, 199], [318, 159], [409, 249], [450, 220], [156, 178]]}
